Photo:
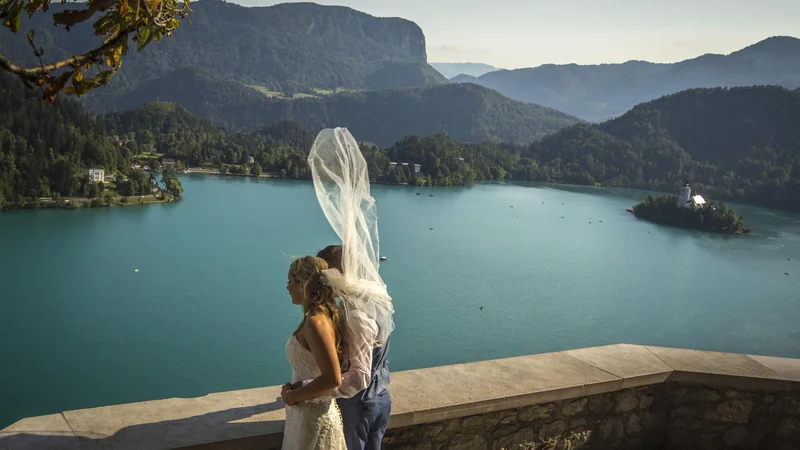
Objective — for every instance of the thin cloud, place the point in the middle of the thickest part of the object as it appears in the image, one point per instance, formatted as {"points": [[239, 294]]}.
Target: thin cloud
{"points": [[455, 52]]}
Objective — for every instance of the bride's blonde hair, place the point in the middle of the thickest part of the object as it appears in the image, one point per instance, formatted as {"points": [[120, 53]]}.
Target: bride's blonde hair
{"points": [[321, 298]]}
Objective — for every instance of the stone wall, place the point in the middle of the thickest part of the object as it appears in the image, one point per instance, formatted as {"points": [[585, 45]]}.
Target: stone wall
{"points": [[669, 416], [624, 419], [705, 418]]}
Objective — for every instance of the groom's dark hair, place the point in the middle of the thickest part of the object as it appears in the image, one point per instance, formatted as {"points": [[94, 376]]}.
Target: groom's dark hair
{"points": [[332, 254]]}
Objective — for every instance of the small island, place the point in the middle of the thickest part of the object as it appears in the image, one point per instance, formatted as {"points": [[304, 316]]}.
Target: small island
{"points": [[688, 211]]}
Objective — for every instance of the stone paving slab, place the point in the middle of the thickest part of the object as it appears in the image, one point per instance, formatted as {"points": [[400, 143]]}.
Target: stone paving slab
{"points": [[39, 433], [181, 422], [786, 368], [636, 365], [402, 413], [719, 369]]}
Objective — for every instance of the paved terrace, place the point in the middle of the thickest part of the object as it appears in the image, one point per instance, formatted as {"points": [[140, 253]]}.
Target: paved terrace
{"points": [[617, 396]]}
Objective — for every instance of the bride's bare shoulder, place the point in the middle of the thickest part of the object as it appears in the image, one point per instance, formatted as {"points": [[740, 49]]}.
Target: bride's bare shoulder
{"points": [[319, 323]]}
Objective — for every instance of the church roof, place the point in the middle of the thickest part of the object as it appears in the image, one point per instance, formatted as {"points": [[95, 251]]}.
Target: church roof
{"points": [[698, 200]]}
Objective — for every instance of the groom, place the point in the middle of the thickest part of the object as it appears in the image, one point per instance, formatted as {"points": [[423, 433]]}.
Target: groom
{"points": [[363, 397]]}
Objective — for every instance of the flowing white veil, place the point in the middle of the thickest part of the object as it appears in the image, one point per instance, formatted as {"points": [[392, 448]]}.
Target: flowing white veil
{"points": [[341, 182]]}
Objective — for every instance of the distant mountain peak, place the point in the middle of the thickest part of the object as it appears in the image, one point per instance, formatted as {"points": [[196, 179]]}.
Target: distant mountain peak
{"points": [[450, 70], [464, 78], [772, 44]]}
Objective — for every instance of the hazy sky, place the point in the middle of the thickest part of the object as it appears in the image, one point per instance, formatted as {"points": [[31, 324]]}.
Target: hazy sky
{"points": [[525, 33]]}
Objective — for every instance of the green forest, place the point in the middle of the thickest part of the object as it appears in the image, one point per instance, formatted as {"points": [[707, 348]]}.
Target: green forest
{"points": [[167, 130], [710, 217], [44, 151]]}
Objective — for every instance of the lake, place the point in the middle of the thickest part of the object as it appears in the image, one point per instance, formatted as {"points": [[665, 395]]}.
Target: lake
{"points": [[554, 268]]}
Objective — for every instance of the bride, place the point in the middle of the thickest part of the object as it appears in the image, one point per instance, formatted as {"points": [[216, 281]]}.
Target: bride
{"points": [[313, 350]]}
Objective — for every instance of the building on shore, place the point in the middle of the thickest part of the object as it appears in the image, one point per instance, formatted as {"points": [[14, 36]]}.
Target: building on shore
{"points": [[96, 175], [417, 168]]}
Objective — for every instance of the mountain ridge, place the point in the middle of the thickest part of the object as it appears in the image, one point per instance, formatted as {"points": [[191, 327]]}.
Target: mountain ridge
{"points": [[467, 112], [602, 91]]}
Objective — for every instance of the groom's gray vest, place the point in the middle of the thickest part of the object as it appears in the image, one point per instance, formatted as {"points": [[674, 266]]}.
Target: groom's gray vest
{"points": [[379, 380]]}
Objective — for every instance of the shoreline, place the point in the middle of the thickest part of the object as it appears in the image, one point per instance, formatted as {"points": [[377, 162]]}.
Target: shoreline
{"points": [[203, 171], [74, 203]]}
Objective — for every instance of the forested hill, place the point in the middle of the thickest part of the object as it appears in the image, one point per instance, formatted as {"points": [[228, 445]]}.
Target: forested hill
{"points": [[42, 149], [293, 47], [466, 112], [740, 144]]}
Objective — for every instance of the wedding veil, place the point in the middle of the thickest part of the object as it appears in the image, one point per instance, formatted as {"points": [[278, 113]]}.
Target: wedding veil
{"points": [[341, 182]]}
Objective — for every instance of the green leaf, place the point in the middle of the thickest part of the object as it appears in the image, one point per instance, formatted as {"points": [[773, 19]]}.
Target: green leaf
{"points": [[104, 25], [143, 37]]}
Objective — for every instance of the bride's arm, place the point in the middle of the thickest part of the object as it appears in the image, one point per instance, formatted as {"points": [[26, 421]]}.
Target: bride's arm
{"points": [[319, 334]]}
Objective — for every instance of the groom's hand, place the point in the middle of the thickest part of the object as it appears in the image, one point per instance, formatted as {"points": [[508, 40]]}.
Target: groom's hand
{"points": [[285, 390], [285, 395]]}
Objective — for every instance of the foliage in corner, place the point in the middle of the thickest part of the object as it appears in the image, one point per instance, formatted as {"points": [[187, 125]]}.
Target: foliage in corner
{"points": [[119, 20]]}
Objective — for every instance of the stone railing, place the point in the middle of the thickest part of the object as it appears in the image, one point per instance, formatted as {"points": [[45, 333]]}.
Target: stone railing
{"points": [[618, 396]]}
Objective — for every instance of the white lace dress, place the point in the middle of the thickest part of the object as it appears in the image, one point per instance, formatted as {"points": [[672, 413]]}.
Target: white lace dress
{"points": [[310, 425]]}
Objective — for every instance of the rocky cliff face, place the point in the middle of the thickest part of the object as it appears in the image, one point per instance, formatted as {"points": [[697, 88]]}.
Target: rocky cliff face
{"points": [[286, 48]]}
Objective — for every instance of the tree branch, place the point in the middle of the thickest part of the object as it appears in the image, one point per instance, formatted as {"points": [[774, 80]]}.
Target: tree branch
{"points": [[34, 73]]}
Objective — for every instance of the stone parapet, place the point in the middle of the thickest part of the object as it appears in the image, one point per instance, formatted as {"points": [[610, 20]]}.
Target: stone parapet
{"points": [[617, 396]]}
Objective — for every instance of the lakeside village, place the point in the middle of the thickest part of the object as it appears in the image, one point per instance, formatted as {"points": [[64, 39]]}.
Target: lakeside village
{"points": [[97, 188], [690, 211], [103, 190], [398, 173]]}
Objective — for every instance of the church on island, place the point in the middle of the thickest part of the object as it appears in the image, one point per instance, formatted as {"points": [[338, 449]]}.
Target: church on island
{"points": [[687, 200], [690, 211]]}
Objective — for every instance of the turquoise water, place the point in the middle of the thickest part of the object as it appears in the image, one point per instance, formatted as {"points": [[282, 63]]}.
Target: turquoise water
{"points": [[208, 310]]}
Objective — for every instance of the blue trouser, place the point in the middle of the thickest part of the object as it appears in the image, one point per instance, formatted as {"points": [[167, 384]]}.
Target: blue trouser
{"points": [[365, 421]]}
